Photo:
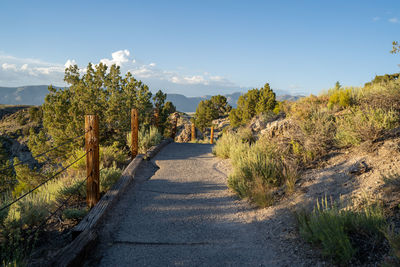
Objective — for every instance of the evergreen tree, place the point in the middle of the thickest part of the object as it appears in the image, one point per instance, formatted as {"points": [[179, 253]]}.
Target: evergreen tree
{"points": [[7, 176], [107, 94], [209, 110], [254, 102]]}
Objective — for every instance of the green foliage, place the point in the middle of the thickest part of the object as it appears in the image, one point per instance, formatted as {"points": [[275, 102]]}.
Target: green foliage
{"points": [[394, 242], [108, 177], [225, 144], [164, 109], [209, 110], [73, 187], [26, 177], [395, 48], [363, 124], [74, 214], [7, 176], [340, 97], [35, 114], [159, 100], [107, 94], [147, 138], [342, 232], [110, 155], [254, 102], [383, 79], [38, 143]]}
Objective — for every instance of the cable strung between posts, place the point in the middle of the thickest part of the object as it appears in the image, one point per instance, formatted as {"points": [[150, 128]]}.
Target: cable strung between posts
{"points": [[44, 153], [42, 183], [62, 205]]}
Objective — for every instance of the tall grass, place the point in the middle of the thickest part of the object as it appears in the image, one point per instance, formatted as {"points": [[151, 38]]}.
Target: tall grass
{"points": [[33, 209], [360, 125], [146, 138], [258, 170], [343, 233]]}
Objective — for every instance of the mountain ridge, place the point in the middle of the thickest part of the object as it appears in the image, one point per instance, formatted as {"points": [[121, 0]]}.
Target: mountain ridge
{"points": [[35, 94]]}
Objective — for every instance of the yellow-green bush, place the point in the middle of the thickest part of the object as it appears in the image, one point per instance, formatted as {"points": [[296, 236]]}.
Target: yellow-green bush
{"points": [[341, 98], [146, 138], [363, 124], [226, 143]]}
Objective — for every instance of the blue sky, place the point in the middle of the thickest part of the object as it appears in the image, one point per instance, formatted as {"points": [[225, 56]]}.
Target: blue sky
{"points": [[202, 47]]}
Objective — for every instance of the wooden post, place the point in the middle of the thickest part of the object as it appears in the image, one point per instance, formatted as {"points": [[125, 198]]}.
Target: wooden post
{"points": [[193, 132], [92, 159], [156, 117], [212, 135], [135, 132], [174, 126]]}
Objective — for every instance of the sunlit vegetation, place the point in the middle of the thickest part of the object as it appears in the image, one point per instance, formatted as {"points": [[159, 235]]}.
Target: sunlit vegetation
{"points": [[60, 122]]}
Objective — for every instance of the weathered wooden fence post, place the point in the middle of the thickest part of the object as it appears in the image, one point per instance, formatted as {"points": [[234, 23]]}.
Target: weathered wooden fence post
{"points": [[174, 126], [212, 135], [156, 117], [134, 132], [92, 159], [193, 132]]}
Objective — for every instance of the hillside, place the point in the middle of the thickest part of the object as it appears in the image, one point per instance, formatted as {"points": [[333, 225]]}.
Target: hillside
{"points": [[35, 94]]}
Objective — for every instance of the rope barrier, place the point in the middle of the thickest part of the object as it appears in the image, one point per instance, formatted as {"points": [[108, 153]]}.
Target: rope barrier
{"points": [[42, 183], [44, 153]]}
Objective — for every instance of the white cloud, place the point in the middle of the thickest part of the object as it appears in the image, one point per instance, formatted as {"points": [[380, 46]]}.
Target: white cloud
{"points": [[376, 18], [394, 20], [22, 71], [69, 63], [7, 66], [118, 58]]}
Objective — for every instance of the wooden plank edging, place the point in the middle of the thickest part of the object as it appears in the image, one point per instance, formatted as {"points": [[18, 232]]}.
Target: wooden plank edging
{"points": [[75, 252], [110, 197], [85, 237]]}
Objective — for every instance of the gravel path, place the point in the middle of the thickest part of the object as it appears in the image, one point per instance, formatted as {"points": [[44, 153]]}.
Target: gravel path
{"points": [[181, 213]]}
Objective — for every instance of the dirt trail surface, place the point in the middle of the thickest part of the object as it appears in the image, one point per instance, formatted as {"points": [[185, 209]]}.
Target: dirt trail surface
{"points": [[180, 212]]}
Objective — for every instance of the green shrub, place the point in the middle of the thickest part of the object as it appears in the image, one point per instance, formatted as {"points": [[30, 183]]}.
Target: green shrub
{"points": [[147, 138], [316, 134], [363, 124], [393, 238], [75, 188], [257, 170], [74, 214], [255, 101], [108, 155], [343, 232], [340, 97], [112, 154], [209, 110], [108, 177], [225, 144]]}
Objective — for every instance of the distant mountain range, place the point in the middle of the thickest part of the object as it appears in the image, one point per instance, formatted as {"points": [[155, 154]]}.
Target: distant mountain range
{"points": [[34, 95]]}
